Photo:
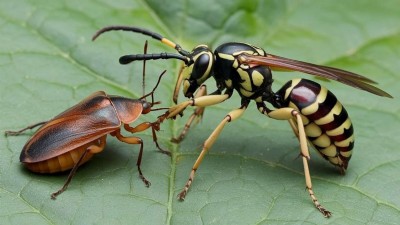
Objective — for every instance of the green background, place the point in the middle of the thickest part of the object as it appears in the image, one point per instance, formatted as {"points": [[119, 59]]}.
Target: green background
{"points": [[252, 174]]}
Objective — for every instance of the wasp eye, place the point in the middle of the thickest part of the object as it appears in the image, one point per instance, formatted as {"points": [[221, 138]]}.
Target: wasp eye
{"points": [[201, 65]]}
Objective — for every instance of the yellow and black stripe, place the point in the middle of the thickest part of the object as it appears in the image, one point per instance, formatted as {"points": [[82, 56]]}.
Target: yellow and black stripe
{"points": [[326, 122]]}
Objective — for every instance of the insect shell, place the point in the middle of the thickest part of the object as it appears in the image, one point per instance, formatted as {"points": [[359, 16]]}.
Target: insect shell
{"points": [[74, 136], [60, 142]]}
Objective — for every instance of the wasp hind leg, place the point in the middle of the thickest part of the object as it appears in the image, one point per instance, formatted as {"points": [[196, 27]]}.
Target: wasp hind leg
{"points": [[290, 114]]}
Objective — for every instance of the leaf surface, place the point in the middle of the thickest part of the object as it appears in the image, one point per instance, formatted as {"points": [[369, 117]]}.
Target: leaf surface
{"points": [[252, 174]]}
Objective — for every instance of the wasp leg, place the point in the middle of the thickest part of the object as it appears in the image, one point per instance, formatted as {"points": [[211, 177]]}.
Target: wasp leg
{"points": [[155, 126], [198, 113], [293, 125], [178, 84], [134, 140], [233, 115], [289, 114], [202, 101], [91, 149], [294, 128], [15, 133]]}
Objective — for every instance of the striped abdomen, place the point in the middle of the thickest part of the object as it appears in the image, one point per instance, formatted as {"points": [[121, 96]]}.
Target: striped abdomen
{"points": [[326, 122], [65, 161]]}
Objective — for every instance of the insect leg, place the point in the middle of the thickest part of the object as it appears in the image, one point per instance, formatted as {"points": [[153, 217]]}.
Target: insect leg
{"points": [[294, 128], [289, 114], [134, 140], [14, 133], [233, 115], [202, 101], [293, 125], [198, 113], [178, 84], [92, 149], [155, 126]]}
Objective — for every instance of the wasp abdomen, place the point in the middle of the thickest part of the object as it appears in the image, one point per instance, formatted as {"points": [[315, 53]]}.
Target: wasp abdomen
{"points": [[326, 122]]}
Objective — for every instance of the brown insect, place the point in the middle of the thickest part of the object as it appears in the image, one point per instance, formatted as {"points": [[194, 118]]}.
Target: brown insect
{"points": [[74, 136]]}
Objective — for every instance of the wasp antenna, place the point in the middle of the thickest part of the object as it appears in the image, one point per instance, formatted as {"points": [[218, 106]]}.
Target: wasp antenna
{"points": [[126, 59], [145, 32], [132, 29]]}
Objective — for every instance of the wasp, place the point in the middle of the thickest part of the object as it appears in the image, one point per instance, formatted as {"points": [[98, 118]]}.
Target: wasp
{"points": [[74, 136], [313, 112]]}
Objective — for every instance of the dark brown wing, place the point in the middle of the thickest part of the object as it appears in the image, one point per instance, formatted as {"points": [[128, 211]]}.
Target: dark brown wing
{"points": [[346, 77], [87, 121]]}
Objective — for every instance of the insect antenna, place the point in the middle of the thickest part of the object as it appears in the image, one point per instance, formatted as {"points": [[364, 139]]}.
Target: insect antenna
{"points": [[142, 31], [139, 57], [144, 78], [154, 89], [144, 68], [158, 109], [183, 53]]}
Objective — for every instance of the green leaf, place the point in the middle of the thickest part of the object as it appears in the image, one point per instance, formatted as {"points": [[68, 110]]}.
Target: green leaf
{"points": [[252, 174]]}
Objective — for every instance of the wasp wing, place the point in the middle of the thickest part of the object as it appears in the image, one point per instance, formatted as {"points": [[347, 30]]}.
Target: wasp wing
{"points": [[343, 76]]}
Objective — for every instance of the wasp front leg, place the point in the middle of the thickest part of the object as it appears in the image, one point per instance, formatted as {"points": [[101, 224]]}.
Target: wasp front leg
{"points": [[195, 116], [178, 84], [202, 101], [290, 114]]}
